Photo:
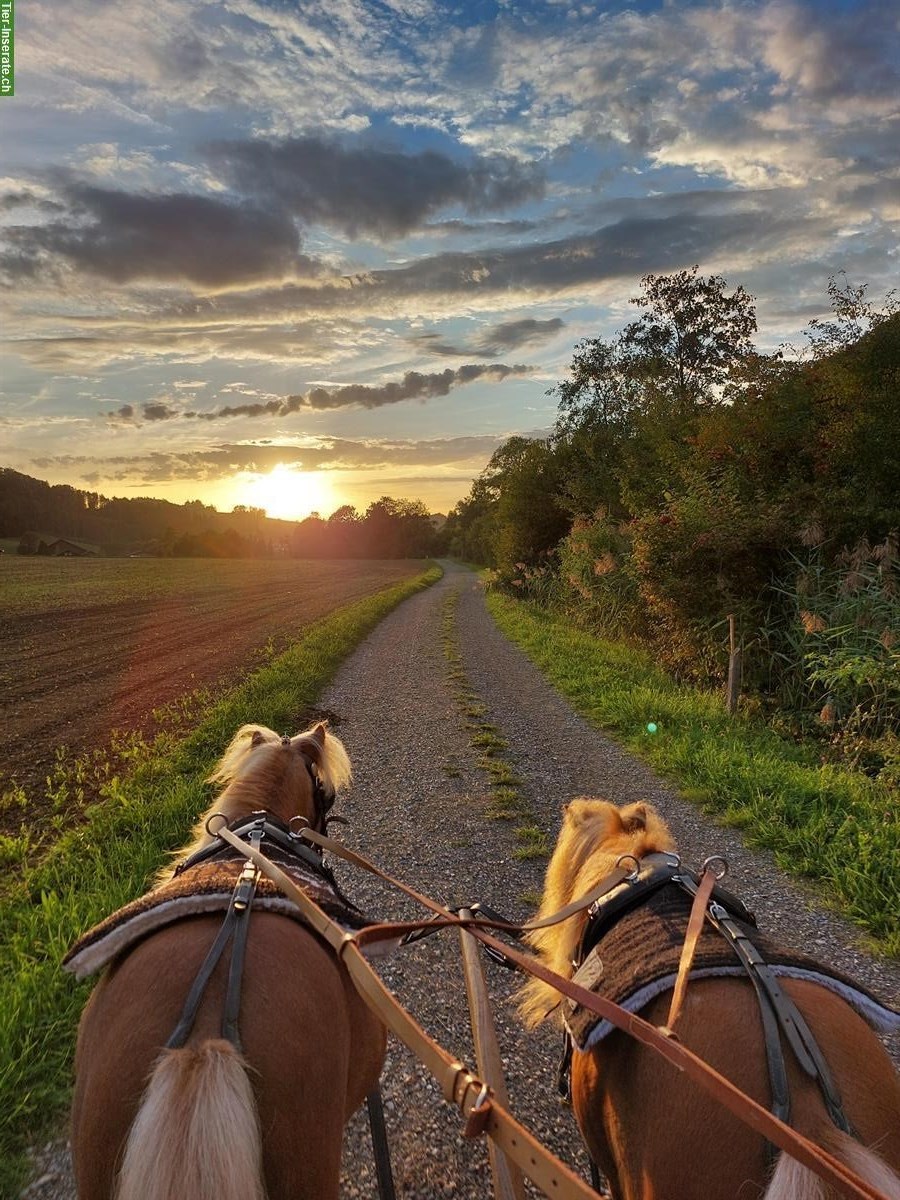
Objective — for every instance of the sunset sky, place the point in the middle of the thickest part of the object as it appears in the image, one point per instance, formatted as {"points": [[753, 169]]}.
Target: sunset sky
{"points": [[300, 255]]}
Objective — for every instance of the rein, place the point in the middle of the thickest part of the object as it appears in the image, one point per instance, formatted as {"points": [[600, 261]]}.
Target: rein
{"points": [[481, 1108]]}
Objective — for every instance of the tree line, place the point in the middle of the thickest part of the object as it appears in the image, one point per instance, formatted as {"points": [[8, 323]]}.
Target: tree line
{"points": [[33, 510], [689, 478]]}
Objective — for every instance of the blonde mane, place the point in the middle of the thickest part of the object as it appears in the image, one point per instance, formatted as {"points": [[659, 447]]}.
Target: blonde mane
{"points": [[262, 770], [594, 835]]}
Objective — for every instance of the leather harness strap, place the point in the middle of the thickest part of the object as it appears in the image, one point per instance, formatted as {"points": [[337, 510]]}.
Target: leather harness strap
{"points": [[235, 925], [485, 1114], [695, 925]]}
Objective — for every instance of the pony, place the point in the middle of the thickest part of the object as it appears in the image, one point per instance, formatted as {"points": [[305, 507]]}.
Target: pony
{"points": [[209, 1120], [655, 1134]]}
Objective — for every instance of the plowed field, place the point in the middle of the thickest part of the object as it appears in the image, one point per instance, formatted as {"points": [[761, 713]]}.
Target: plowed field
{"points": [[89, 646]]}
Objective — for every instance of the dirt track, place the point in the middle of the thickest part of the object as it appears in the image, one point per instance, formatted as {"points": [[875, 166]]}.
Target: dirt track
{"points": [[70, 676]]}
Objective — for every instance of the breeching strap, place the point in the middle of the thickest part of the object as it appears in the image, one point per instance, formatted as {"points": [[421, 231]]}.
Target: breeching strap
{"points": [[468, 1092]]}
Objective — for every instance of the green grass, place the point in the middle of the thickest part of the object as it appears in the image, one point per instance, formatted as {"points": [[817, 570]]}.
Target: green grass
{"points": [[108, 857], [833, 826], [507, 802]]}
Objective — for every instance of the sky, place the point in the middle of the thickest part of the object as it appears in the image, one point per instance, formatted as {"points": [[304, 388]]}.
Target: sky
{"points": [[301, 255]]}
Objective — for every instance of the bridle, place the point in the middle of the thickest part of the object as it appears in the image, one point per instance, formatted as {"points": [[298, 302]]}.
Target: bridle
{"points": [[323, 795]]}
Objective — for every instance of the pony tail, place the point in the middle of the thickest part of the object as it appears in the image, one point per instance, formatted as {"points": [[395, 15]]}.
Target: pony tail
{"points": [[197, 1132], [792, 1181]]}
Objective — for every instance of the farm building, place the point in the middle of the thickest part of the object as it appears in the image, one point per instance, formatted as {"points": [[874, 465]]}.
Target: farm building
{"points": [[57, 547]]}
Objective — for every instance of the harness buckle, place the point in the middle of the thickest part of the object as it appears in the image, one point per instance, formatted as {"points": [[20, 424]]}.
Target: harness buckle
{"points": [[636, 869]]}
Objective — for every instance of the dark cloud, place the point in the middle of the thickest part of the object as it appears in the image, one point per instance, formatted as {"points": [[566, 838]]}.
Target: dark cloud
{"points": [[155, 411], [413, 386], [623, 249], [28, 199], [508, 335], [125, 236], [369, 190], [850, 53]]}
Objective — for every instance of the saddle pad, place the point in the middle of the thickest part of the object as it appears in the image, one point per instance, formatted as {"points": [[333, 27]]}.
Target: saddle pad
{"points": [[204, 888], [638, 959]]}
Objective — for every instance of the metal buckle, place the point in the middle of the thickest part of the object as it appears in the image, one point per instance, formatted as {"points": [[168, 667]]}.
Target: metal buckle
{"points": [[708, 864], [212, 817], [632, 875]]}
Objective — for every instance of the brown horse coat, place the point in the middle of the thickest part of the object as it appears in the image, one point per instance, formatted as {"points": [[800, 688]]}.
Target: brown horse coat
{"points": [[210, 1121], [655, 1134]]}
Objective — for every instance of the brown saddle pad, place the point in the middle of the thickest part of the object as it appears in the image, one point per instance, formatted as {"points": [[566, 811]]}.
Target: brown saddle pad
{"points": [[638, 959], [204, 888]]}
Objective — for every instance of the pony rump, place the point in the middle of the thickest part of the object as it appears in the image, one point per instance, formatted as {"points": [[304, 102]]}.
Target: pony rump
{"points": [[594, 835]]}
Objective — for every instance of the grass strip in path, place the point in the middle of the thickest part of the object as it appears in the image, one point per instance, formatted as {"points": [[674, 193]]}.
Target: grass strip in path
{"points": [[507, 800], [835, 827], [109, 858]]}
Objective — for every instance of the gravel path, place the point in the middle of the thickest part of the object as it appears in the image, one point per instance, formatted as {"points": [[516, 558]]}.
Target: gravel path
{"points": [[416, 808]]}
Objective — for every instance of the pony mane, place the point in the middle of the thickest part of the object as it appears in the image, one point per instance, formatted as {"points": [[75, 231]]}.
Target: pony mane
{"points": [[252, 774], [594, 834]]}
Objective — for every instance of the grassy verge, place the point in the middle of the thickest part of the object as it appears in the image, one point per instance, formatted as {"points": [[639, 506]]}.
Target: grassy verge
{"points": [[832, 826], [109, 856], [507, 801]]}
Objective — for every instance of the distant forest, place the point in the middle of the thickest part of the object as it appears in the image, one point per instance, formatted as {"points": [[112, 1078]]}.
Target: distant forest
{"points": [[40, 514]]}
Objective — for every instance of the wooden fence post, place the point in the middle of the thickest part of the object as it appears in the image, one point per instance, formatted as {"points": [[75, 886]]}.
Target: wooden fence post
{"points": [[735, 667]]}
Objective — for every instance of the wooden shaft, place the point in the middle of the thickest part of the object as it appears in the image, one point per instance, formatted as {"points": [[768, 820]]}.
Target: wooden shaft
{"points": [[508, 1181]]}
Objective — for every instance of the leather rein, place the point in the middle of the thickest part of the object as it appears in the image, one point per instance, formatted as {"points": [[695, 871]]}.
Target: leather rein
{"points": [[483, 1112]]}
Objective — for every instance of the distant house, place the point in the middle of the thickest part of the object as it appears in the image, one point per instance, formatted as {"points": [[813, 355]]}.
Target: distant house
{"points": [[57, 547], [65, 548]]}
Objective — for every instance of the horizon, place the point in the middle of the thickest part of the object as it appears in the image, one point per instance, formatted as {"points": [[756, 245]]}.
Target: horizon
{"points": [[354, 264]]}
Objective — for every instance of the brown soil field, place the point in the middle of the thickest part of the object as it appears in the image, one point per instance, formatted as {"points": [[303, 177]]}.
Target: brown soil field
{"points": [[92, 646]]}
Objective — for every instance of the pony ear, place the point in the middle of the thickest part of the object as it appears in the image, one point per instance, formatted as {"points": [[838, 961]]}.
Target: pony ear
{"points": [[257, 738], [318, 734], [634, 818]]}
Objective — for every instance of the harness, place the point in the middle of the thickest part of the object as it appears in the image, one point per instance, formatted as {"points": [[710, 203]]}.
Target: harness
{"points": [[258, 827], [253, 830], [736, 924]]}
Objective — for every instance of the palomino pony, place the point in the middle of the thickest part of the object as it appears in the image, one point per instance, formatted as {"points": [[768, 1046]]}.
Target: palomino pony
{"points": [[653, 1133], [210, 1121]]}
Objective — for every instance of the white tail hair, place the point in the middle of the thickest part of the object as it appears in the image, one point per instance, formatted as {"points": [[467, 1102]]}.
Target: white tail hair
{"points": [[793, 1181], [196, 1133]]}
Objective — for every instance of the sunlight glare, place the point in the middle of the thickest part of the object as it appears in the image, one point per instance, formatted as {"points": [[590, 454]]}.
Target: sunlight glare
{"points": [[288, 494]]}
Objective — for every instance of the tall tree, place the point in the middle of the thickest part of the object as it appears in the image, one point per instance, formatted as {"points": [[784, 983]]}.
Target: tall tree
{"points": [[630, 405]]}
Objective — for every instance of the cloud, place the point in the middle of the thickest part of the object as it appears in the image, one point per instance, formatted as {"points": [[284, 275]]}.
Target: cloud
{"points": [[370, 190], [222, 460], [413, 386], [125, 236], [498, 339]]}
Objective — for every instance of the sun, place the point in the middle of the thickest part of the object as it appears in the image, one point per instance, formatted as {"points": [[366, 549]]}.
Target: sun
{"points": [[287, 493]]}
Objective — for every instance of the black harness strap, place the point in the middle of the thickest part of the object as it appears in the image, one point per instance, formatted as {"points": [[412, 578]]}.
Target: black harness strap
{"points": [[235, 924], [792, 1022], [242, 904], [777, 1067]]}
